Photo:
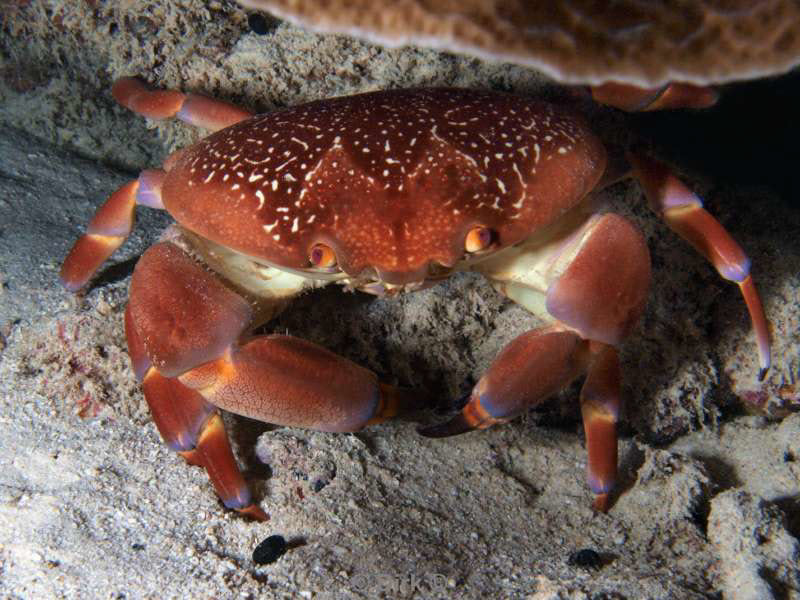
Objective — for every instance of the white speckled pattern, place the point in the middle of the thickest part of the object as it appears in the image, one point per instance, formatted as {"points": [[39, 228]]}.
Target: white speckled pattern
{"points": [[391, 180]]}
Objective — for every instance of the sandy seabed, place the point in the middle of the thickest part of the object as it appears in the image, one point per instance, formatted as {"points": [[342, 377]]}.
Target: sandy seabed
{"points": [[93, 505]]}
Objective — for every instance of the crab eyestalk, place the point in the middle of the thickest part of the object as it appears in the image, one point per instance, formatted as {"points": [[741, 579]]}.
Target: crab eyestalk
{"points": [[478, 239], [322, 256]]}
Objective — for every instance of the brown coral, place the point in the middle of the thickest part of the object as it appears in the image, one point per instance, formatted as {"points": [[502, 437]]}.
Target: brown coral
{"points": [[643, 42]]}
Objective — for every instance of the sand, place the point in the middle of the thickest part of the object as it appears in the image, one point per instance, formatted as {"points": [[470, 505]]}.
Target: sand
{"points": [[92, 504]]}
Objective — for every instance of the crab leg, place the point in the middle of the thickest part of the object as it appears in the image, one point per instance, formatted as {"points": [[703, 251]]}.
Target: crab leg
{"points": [[631, 98], [600, 405], [109, 228], [592, 285], [684, 213], [200, 111], [113, 221], [184, 329], [531, 368], [191, 426]]}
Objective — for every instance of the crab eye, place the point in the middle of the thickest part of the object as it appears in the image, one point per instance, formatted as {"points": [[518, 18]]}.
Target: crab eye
{"points": [[479, 238], [322, 256]]}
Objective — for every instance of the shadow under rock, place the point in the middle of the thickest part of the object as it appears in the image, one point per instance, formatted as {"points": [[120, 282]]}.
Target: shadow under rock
{"points": [[790, 505]]}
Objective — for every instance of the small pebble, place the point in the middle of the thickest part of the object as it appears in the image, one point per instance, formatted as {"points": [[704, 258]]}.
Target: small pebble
{"points": [[586, 558], [270, 550]]}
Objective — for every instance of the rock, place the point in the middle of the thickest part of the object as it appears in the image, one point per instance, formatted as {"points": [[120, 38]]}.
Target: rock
{"points": [[758, 558]]}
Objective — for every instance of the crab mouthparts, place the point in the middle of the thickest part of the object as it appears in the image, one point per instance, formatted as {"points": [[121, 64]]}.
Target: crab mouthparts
{"points": [[382, 282]]}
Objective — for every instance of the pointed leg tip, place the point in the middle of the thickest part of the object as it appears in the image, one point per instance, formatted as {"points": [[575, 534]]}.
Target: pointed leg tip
{"points": [[192, 457], [762, 373], [455, 426], [254, 512], [601, 503], [72, 285]]}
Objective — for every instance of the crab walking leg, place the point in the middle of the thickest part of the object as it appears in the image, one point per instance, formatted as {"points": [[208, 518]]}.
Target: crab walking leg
{"points": [[600, 406], [200, 111], [601, 294], [591, 282], [192, 427], [113, 221], [684, 213], [109, 228], [631, 98], [531, 368], [184, 330]]}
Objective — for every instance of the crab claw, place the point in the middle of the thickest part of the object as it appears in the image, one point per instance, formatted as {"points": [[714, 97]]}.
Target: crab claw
{"points": [[455, 426], [532, 367]]}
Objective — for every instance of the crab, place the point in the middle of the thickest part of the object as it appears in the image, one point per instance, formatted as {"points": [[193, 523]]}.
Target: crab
{"points": [[387, 193]]}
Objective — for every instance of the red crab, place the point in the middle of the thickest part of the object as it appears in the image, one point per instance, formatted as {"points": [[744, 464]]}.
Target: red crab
{"points": [[385, 192]]}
